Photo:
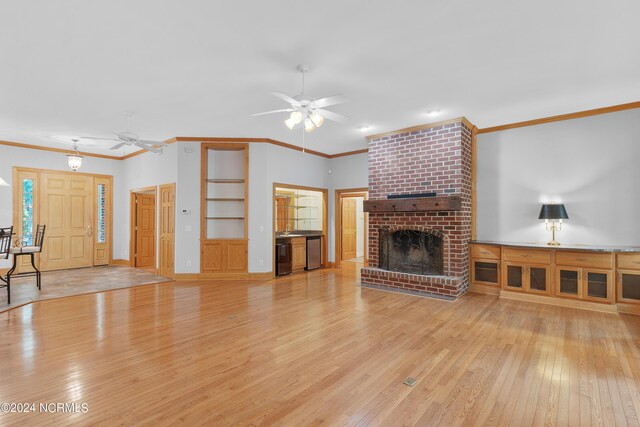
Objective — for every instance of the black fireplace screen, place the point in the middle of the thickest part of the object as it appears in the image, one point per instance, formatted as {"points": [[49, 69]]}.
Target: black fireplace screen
{"points": [[411, 251]]}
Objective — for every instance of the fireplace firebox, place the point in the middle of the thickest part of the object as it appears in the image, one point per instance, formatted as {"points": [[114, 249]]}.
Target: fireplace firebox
{"points": [[411, 251]]}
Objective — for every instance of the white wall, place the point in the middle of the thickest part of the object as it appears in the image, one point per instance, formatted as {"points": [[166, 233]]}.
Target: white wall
{"points": [[143, 170], [268, 164], [187, 258], [15, 156], [589, 164], [346, 172]]}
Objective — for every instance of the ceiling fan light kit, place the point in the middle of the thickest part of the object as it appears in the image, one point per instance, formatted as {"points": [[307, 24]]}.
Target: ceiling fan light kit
{"points": [[307, 110]]}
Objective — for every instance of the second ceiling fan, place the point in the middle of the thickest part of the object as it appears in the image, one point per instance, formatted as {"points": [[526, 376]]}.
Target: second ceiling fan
{"points": [[306, 110]]}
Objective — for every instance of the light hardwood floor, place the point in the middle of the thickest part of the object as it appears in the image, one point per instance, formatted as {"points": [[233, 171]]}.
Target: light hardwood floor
{"points": [[317, 349], [62, 283]]}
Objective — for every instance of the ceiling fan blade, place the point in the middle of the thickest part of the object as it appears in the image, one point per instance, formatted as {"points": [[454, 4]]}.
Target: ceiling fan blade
{"points": [[286, 98], [148, 147], [284, 110], [93, 137], [332, 116], [330, 100], [156, 143], [115, 147]]}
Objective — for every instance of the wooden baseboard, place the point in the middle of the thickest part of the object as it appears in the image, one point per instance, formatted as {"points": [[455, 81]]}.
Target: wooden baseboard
{"points": [[124, 262], [223, 276], [626, 308], [561, 302], [484, 289]]}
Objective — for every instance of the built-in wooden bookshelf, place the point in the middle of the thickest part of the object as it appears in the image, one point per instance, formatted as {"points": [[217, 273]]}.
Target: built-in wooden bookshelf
{"points": [[224, 210]]}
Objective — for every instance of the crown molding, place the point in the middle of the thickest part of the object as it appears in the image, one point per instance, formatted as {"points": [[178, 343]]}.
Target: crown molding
{"points": [[187, 139], [57, 150], [561, 117], [462, 120]]}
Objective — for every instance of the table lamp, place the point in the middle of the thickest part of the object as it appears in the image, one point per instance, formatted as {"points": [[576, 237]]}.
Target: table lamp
{"points": [[553, 212]]}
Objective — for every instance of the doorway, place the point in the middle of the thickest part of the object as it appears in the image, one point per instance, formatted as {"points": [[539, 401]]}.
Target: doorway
{"points": [[142, 245], [351, 226], [76, 208], [167, 230]]}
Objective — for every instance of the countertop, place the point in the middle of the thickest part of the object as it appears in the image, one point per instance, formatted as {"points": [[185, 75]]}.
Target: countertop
{"points": [[299, 234], [573, 247]]}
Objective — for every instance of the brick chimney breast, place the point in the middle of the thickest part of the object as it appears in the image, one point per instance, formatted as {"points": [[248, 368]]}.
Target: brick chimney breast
{"points": [[430, 160]]}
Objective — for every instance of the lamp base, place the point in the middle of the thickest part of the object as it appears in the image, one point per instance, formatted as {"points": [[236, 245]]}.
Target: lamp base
{"points": [[553, 243]]}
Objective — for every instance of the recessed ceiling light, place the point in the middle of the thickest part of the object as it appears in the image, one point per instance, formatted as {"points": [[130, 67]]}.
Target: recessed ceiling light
{"points": [[363, 128], [433, 113]]}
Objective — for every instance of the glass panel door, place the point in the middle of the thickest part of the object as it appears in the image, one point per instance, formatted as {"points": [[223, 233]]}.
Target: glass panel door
{"points": [[568, 282], [597, 285], [485, 272], [629, 283], [538, 279], [514, 276]]}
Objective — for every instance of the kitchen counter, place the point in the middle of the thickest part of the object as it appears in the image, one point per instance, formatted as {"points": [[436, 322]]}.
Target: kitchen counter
{"points": [[299, 234], [572, 247]]}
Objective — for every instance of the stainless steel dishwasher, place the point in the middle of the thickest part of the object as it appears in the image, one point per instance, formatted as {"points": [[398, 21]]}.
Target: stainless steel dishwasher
{"points": [[314, 252]]}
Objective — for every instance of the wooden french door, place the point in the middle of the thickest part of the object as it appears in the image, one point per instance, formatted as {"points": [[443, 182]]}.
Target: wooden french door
{"points": [[66, 206], [145, 255], [349, 228], [167, 229]]}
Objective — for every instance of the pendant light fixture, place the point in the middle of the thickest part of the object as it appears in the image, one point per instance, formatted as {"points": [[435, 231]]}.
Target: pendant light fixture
{"points": [[75, 159]]}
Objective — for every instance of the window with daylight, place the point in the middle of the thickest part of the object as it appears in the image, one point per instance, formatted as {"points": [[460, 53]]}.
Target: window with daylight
{"points": [[27, 212], [102, 205]]}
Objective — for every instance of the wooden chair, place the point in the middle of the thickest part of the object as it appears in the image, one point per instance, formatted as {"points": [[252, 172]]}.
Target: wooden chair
{"points": [[6, 234], [36, 248]]}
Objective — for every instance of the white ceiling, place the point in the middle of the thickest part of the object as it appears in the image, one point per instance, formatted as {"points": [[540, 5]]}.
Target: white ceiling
{"points": [[199, 68]]}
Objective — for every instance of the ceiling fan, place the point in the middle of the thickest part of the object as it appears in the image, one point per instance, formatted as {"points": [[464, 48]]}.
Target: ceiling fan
{"points": [[128, 139], [308, 110]]}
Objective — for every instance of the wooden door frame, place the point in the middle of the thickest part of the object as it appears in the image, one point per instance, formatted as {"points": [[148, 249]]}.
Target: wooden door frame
{"points": [[160, 187], [325, 220], [17, 201], [339, 195], [132, 221]]}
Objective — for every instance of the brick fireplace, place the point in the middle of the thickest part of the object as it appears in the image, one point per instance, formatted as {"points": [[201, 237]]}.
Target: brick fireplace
{"points": [[432, 232]]}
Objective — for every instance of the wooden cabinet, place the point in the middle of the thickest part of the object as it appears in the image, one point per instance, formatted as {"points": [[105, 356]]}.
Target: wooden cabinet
{"points": [[628, 280], [584, 275], [584, 283], [572, 277], [521, 277], [224, 256], [526, 270], [485, 267], [299, 253]]}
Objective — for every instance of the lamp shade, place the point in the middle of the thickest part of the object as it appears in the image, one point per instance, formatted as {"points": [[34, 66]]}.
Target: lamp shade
{"points": [[3, 183], [553, 211]]}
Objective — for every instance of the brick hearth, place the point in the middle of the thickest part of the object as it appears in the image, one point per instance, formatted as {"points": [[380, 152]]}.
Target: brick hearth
{"points": [[436, 159]]}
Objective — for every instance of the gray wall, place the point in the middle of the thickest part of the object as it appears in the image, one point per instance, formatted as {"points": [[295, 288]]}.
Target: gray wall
{"points": [[590, 164]]}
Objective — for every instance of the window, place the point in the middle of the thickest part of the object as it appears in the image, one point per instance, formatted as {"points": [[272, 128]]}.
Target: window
{"points": [[27, 212], [102, 205]]}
